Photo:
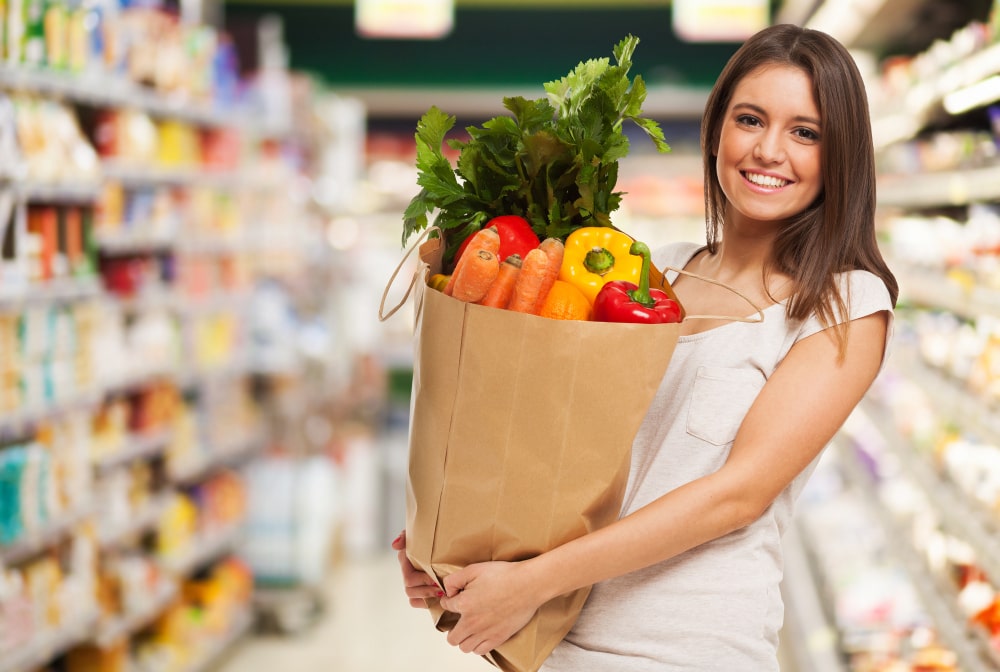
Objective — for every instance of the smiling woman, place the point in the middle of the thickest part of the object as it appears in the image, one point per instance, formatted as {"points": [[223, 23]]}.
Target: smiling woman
{"points": [[688, 577]]}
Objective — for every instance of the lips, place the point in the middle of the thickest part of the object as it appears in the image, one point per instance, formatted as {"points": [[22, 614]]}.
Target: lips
{"points": [[766, 181]]}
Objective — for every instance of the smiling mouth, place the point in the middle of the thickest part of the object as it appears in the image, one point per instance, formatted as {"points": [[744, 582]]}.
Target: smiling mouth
{"points": [[765, 180]]}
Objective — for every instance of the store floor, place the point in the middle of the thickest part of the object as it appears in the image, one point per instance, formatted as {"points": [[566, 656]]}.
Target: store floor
{"points": [[368, 627]]}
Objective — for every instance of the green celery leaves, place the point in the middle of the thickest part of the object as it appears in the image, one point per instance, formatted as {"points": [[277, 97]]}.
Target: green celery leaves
{"points": [[553, 161]]}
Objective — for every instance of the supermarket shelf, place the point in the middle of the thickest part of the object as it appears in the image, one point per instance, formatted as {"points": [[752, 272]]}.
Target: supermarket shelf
{"points": [[164, 298], [145, 519], [68, 193], [208, 547], [923, 102], [242, 624], [132, 175], [238, 366], [129, 624], [136, 447], [108, 91], [126, 244], [123, 244], [221, 459], [35, 542], [951, 399], [219, 245], [21, 423], [932, 288], [942, 607], [52, 291], [668, 101], [937, 189], [139, 379], [150, 298], [963, 517], [812, 640], [46, 648]]}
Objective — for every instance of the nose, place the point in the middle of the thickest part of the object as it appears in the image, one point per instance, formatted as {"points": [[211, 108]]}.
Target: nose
{"points": [[769, 147]]}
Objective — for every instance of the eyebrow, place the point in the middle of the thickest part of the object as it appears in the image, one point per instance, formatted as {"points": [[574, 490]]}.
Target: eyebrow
{"points": [[761, 111]]}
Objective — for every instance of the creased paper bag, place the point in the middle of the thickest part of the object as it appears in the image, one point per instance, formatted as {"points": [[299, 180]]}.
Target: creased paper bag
{"points": [[520, 439]]}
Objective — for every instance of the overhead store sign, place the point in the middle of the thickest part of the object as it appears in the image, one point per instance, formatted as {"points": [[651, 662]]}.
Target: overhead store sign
{"points": [[404, 19], [719, 20]]}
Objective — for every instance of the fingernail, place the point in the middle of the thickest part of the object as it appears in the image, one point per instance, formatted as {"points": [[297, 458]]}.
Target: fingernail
{"points": [[396, 540], [440, 593]]}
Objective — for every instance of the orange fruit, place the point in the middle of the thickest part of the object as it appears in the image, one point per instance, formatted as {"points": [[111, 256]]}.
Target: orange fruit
{"points": [[566, 302]]}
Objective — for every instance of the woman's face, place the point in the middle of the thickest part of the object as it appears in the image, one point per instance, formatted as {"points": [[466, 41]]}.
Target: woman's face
{"points": [[768, 152]]}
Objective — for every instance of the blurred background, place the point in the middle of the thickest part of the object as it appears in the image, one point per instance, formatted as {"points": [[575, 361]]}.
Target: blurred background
{"points": [[203, 421]]}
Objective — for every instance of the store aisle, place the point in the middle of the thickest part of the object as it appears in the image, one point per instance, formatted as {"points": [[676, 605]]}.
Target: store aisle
{"points": [[368, 627]]}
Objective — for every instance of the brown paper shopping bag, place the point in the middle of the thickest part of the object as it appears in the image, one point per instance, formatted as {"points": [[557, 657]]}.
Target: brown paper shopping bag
{"points": [[521, 430]]}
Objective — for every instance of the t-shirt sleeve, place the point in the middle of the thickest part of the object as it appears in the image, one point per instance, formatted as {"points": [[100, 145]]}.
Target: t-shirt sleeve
{"points": [[865, 294]]}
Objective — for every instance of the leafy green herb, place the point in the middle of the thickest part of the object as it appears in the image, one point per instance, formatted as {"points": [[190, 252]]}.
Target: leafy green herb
{"points": [[553, 160]]}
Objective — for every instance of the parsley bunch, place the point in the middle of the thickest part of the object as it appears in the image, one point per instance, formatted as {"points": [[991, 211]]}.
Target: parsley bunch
{"points": [[553, 162]]}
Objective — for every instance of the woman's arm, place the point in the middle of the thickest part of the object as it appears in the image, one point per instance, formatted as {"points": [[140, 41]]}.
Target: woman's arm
{"points": [[797, 412]]}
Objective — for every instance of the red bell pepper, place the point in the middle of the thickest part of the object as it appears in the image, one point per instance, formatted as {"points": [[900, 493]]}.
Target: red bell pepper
{"points": [[516, 236], [624, 301]]}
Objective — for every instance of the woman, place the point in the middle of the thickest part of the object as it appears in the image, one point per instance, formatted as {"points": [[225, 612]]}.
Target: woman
{"points": [[688, 577]]}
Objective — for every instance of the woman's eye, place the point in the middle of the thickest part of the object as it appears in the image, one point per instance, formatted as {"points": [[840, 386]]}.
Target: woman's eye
{"points": [[807, 134], [747, 120]]}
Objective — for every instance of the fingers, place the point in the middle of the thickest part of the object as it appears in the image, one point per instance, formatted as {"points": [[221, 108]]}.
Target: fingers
{"points": [[419, 587], [449, 603], [456, 582], [470, 642]]}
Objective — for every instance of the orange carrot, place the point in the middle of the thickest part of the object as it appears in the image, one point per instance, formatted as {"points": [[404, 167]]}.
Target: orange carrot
{"points": [[502, 288], [553, 249], [529, 282], [474, 277], [484, 239]]}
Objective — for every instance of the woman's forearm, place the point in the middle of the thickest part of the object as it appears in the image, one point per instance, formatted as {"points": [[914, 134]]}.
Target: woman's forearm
{"points": [[691, 515]]}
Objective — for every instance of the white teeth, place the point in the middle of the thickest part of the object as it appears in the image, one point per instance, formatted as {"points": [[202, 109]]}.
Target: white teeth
{"points": [[766, 180]]}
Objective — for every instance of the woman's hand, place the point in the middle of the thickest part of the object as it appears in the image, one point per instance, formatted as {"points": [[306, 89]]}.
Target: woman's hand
{"points": [[494, 601], [419, 586]]}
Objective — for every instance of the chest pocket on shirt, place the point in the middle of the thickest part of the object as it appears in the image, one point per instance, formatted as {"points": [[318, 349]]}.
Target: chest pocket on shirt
{"points": [[719, 400]]}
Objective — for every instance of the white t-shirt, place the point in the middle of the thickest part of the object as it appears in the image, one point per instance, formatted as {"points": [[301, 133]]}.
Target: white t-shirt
{"points": [[716, 607]]}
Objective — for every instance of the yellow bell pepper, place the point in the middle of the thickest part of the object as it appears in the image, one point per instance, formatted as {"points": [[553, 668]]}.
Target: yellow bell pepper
{"points": [[594, 255], [438, 281]]}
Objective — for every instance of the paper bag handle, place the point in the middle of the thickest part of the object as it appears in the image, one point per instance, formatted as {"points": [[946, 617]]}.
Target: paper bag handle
{"points": [[760, 313], [382, 315]]}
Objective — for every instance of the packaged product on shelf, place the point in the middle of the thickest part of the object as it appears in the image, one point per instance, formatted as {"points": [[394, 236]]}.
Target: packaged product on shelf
{"points": [[17, 627], [52, 142], [178, 144], [91, 658], [177, 528], [13, 460], [56, 22], [74, 226], [127, 135], [43, 578], [30, 48], [67, 440]]}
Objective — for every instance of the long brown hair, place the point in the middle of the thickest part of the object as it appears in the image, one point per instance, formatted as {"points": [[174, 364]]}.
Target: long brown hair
{"points": [[836, 232]]}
